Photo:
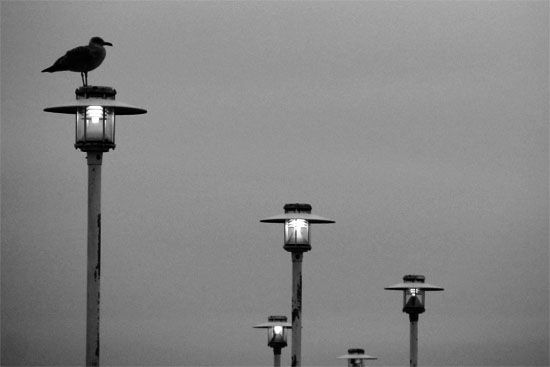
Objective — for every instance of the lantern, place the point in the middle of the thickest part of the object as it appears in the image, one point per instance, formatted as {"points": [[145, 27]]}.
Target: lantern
{"points": [[95, 109], [297, 219], [414, 289], [356, 356], [276, 331]]}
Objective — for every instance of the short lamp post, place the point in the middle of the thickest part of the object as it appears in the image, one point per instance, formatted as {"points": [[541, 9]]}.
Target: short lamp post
{"points": [[95, 109], [414, 291], [297, 221], [276, 335], [356, 356]]}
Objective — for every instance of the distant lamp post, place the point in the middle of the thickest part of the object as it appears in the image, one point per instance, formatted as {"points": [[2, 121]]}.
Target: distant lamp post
{"points": [[414, 291], [95, 109], [356, 356], [297, 220], [276, 335]]}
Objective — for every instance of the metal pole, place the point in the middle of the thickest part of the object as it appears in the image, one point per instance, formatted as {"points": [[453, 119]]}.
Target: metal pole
{"points": [[276, 357], [94, 257], [297, 309], [414, 340]]}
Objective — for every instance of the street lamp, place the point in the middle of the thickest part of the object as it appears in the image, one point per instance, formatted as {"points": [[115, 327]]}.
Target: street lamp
{"points": [[297, 220], [356, 356], [414, 291], [276, 335], [95, 109]]}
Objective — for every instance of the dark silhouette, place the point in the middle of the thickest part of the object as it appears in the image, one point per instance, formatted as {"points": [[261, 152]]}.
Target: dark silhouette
{"points": [[82, 59]]}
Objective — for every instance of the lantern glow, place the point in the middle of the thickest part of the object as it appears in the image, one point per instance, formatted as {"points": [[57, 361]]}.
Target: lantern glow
{"points": [[94, 114], [296, 232]]}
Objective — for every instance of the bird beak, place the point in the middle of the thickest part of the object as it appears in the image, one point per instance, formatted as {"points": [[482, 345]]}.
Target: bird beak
{"points": [[107, 44]]}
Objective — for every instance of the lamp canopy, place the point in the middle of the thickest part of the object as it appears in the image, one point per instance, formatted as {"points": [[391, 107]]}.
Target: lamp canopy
{"points": [[357, 353], [414, 282], [297, 211], [273, 321], [96, 96]]}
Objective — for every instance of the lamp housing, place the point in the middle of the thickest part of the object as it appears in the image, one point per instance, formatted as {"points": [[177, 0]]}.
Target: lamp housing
{"points": [[95, 109], [276, 331], [414, 291], [356, 356], [297, 221]]}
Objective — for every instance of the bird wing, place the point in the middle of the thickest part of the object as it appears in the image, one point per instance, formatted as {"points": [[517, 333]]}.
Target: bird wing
{"points": [[77, 59]]}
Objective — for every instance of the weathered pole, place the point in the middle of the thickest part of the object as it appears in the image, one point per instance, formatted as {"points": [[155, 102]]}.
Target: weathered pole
{"points": [[296, 347], [94, 159], [413, 317], [276, 357]]}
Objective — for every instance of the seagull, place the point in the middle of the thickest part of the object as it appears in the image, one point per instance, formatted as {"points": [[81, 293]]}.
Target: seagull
{"points": [[82, 59]]}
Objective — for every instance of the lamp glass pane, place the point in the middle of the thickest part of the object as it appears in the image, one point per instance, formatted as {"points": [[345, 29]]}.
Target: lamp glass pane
{"points": [[109, 125], [414, 297], [95, 120], [296, 232], [80, 130], [276, 336]]}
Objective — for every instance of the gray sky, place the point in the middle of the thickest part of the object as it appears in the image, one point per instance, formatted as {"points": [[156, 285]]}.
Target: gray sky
{"points": [[421, 128]]}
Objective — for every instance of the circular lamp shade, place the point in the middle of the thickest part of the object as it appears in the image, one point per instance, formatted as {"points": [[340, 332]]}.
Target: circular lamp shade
{"points": [[356, 356]]}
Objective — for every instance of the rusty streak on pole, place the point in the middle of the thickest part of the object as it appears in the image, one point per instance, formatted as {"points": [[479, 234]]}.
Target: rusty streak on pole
{"points": [[296, 348], [94, 159]]}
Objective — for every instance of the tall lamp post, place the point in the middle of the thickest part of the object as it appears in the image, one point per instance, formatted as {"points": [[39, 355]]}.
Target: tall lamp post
{"points": [[297, 219], [356, 356], [414, 289], [95, 109], [276, 335]]}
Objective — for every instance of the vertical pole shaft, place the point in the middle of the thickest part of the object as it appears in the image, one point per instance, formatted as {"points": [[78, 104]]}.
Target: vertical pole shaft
{"points": [[296, 309], [276, 357], [414, 342], [94, 257]]}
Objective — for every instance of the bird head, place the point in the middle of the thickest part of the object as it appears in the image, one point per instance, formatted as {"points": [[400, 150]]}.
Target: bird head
{"points": [[99, 41]]}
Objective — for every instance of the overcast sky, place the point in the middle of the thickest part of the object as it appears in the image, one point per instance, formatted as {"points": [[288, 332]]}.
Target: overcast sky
{"points": [[421, 128]]}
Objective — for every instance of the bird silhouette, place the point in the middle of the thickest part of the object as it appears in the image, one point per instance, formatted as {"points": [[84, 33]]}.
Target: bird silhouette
{"points": [[82, 59]]}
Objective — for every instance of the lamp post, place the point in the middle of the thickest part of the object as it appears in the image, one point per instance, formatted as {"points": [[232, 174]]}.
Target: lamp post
{"points": [[95, 109], [414, 289], [276, 335], [297, 220], [356, 356]]}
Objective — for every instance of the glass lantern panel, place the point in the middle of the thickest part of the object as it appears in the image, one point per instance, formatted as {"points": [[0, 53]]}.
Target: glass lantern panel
{"points": [[276, 336], [414, 297], [95, 123], [296, 232], [109, 118], [355, 362], [80, 131]]}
